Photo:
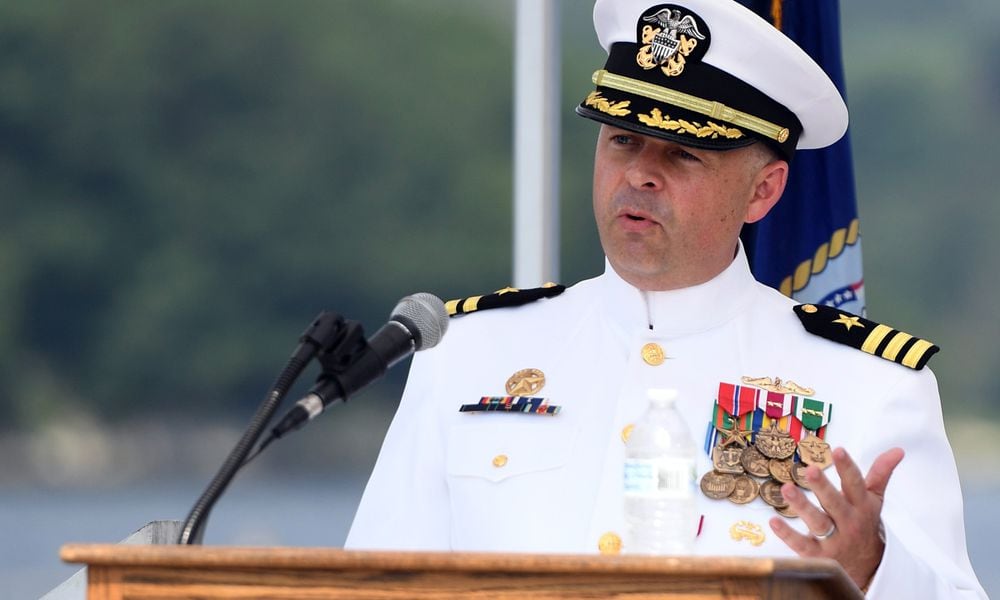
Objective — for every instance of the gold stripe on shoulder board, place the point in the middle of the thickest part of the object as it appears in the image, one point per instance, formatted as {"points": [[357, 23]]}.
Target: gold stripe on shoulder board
{"points": [[502, 298], [865, 335]]}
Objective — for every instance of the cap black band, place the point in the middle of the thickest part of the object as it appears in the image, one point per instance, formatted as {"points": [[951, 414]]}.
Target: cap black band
{"points": [[703, 107]]}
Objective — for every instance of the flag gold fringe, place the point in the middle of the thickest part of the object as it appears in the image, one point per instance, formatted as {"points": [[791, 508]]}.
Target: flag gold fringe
{"points": [[776, 13]]}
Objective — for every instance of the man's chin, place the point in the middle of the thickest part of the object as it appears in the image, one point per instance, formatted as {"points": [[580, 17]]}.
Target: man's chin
{"points": [[641, 273]]}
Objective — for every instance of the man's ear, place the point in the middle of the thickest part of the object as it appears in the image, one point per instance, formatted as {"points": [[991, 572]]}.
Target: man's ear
{"points": [[768, 185]]}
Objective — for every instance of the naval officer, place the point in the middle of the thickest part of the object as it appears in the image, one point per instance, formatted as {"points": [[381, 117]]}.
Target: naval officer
{"points": [[510, 434]]}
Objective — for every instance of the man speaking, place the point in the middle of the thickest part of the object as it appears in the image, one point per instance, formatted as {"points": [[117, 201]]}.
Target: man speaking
{"points": [[510, 434]]}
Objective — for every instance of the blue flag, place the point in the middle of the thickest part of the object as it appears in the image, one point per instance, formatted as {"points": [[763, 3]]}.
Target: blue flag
{"points": [[809, 245]]}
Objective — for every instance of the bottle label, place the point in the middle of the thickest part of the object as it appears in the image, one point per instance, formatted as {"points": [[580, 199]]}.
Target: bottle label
{"points": [[671, 477]]}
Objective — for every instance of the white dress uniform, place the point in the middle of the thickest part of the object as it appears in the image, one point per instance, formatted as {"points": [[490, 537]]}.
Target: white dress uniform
{"points": [[508, 482]]}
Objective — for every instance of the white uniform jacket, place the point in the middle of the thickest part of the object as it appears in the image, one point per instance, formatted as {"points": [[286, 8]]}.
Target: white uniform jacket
{"points": [[559, 489]]}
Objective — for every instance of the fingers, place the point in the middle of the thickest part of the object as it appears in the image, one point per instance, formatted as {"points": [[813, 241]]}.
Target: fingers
{"points": [[854, 485], [815, 519], [835, 503], [882, 469], [803, 545], [844, 524], [852, 480]]}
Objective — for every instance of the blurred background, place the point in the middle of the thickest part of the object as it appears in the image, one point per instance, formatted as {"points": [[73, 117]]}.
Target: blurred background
{"points": [[185, 184]]}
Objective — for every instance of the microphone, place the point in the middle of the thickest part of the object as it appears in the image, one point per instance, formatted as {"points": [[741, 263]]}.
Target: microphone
{"points": [[416, 323]]}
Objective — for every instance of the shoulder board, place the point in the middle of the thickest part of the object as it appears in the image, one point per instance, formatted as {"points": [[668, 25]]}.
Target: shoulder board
{"points": [[502, 299], [867, 336]]}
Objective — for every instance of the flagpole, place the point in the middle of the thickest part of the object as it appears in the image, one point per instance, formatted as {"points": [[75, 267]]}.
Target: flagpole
{"points": [[536, 143]]}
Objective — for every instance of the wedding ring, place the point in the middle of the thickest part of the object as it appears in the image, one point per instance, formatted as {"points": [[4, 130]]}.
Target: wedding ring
{"points": [[829, 532]]}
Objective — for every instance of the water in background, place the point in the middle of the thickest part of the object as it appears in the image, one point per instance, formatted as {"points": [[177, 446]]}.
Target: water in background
{"points": [[36, 522]]}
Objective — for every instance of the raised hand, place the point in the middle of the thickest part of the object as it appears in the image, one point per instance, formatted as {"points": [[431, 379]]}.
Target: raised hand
{"points": [[847, 524]]}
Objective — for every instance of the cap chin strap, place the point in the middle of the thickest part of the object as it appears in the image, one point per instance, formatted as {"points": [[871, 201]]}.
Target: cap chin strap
{"points": [[709, 108]]}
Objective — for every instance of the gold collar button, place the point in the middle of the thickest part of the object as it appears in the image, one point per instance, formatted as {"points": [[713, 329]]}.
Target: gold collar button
{"points": [[653, 354]]}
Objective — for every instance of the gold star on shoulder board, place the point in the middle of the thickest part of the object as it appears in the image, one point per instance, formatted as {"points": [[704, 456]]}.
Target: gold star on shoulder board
{"points": [[849, 322], [506, 290]]}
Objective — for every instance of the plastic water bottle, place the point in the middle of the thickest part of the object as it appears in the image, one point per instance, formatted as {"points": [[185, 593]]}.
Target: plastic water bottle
{"points": [[660, 501]]}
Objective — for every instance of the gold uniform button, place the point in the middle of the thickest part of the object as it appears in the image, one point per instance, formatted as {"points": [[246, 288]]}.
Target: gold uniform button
{"points": [[610, 543], [500, 460], [627, 432], [810, 309], [653, 354]]}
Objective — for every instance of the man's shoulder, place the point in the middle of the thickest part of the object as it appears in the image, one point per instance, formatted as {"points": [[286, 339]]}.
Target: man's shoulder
{"points": [[865, 335], [503, 298], [834, 336], [534, 313], [511, 302]]}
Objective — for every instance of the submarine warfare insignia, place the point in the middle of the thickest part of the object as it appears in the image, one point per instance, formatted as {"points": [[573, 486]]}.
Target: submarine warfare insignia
{"points": [[763, 434], [778, 386]]}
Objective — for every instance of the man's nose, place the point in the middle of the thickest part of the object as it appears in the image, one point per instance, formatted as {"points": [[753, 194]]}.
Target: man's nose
{"points": [[645, 171]]}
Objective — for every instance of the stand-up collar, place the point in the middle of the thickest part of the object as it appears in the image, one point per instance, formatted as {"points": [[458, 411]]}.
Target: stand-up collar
{"points": [[679, 312]]}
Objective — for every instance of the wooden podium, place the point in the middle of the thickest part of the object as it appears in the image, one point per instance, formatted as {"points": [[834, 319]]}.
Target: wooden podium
{"points": [[165, 572]]}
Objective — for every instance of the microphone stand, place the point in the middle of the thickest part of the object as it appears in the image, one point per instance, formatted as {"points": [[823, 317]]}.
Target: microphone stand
{"points": [[325, 332]]}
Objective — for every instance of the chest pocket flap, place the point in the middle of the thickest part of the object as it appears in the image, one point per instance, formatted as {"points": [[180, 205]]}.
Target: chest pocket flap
{"points": [[497, 447]]}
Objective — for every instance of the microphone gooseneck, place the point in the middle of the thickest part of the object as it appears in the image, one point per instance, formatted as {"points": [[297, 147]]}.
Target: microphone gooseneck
{"points": [[417, 322], [320, 334], [349, 364]]}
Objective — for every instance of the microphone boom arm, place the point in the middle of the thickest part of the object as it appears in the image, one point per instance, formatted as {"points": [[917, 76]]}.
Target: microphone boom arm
{"points": [[325, 332]]}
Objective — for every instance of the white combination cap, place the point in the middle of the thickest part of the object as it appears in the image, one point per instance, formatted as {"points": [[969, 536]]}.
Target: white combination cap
{"points": [[710, 74]]}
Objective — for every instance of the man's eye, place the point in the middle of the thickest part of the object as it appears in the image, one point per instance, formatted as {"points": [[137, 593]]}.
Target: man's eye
{"points": [[621, 139], [685, 155]]}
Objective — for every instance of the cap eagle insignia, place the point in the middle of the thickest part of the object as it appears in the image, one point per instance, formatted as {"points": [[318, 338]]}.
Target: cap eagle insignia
{"points": [[665, 43]]}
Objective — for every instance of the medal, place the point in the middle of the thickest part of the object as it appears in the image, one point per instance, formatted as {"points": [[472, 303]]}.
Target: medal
{"points": [[726, 454], [770, 492], [754, 433], [814, 451], [717, 485], [780, 469], [745, 489], [799, 475], [737, 400], [734, 437], [776, 405], [775, 443], [726, 459], [754, 462]]}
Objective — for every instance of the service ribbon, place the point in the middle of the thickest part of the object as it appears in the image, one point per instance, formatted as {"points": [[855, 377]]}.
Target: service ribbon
{"points": [[814, 414]]}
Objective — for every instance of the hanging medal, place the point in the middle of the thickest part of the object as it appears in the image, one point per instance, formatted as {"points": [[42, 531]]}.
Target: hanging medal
{"points": [[762, 434], [814, 416]]}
